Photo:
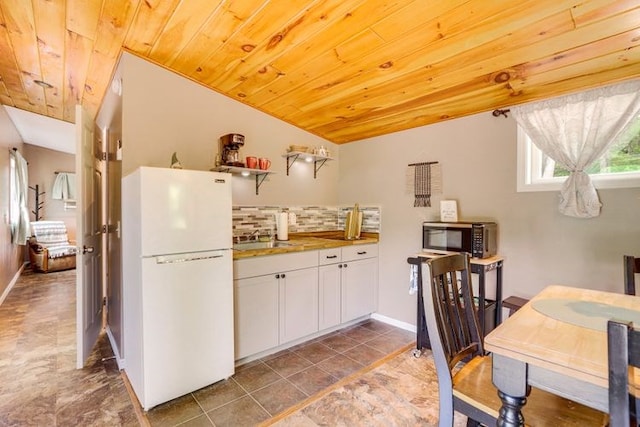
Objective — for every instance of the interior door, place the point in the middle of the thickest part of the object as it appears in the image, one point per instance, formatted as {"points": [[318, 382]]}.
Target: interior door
{"points": [[89, 237]]}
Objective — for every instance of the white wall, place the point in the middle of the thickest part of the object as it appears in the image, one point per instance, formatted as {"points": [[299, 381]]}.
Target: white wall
{"points": [[478, 157], [43, 164], [163, 113]]}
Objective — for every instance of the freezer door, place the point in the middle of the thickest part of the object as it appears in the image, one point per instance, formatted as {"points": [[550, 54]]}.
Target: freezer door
{"points": [[188, 323], [184, 211]]}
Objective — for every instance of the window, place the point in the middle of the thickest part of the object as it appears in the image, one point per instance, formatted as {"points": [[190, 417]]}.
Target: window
{"points": [[619, 167]]}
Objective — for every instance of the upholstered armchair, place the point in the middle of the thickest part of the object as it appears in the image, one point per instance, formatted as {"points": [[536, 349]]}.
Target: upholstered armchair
{"points": [[50, 248]]}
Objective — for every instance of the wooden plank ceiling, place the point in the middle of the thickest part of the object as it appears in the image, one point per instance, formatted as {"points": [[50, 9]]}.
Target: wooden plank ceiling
{"points": [[342, 69]]}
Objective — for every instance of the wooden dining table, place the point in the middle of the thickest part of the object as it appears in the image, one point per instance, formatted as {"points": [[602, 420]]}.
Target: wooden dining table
{"points": [[558, 342]]}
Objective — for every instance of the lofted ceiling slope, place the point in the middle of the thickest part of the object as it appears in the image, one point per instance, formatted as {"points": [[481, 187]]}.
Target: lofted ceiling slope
{"points": [[342, 69]]}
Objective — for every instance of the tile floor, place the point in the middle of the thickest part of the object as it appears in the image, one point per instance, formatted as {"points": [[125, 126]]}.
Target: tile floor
{"points": [[266, 387], [39, 382], [40, 386]]}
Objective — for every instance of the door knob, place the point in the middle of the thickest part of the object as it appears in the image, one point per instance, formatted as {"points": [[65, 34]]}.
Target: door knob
{"points": [[87, 249]]}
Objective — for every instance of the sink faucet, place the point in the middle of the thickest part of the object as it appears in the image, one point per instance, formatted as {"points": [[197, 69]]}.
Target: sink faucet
{"points": [[256, 235]]}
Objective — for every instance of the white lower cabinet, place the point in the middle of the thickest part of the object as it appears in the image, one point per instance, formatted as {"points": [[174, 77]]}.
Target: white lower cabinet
{"points": [[298, 304], [281, 298], [256, 315], [329, 289], [359, 280], [348, 287], [276, 300]]}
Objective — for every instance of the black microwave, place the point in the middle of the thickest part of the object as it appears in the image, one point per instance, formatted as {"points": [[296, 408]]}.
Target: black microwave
{"points": [[479, 239]]}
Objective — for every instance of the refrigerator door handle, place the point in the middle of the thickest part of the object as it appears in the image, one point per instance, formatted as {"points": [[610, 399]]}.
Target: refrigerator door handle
{"points": [[174, 259]]}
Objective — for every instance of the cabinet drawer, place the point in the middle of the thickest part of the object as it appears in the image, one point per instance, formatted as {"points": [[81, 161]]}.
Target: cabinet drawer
{"points": [[270, 264], [329, 256], [351, 253]]}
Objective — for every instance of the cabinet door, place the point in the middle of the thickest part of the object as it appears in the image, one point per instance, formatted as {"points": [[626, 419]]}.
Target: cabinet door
{"points": [[256, 314], [359, 285], [329, 295], [298, 304]]}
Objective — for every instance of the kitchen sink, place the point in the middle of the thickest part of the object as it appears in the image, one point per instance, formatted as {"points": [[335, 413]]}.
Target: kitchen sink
{"points": [[246, 246]]}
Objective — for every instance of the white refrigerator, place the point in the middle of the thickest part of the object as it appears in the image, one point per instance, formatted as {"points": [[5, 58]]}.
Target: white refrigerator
{"points": [[177, 281]]}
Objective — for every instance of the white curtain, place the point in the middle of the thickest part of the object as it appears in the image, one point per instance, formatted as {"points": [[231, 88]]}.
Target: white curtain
{"points": [[577, 129], [20, 225]]}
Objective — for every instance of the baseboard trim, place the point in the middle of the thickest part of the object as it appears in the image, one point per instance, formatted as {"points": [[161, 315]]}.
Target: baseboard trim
{"points": [[114, 348], [11, 283], [394, 322]]}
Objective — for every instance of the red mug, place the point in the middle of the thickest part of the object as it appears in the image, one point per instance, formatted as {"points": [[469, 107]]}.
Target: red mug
{"points": [[264, 164], [252, 162]]}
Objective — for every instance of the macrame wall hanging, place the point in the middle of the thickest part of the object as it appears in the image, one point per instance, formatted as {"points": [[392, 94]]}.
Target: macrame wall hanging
{"points": [[423, 180]]}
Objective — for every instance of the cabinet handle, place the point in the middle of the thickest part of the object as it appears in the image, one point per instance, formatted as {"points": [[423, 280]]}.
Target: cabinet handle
{"points": [[282, 275], [277, 276], [345, 265], [332, 256], [362, 253], [339, 265]]}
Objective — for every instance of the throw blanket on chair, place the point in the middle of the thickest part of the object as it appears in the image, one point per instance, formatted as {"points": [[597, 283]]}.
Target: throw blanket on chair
{"points": [[53, 236]]}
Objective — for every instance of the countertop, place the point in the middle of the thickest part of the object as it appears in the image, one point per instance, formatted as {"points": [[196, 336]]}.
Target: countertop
{"points": [[309, 241]]}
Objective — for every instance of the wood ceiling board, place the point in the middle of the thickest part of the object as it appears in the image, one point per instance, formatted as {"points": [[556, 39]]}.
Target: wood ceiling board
{"points": [[82, 17], [259, 30], [286, 42], [358, 19], [202, 51], [366, 63], [150, 19], [183, 24], [299, 70], [49, 23], [344, 81], [478, 101], [438, 77], [435, 99], [317, 57], [77, 57], [611, 47], [11, 78], [595, 10], [413, 16], [586, 73], [115, 18], [339, 83], [20, 24]]}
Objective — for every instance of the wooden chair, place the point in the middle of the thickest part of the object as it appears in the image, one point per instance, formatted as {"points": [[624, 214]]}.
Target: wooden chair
{"points": [[631, 268], [623, 347], [452, 323]]}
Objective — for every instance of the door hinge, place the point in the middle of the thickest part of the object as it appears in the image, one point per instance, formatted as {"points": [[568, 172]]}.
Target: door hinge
{"points": [[104, 301], [109, 228], [104, 156]]}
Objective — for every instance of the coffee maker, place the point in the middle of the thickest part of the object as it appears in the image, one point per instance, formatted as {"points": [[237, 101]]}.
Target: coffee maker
{"points": [[229, 146]]}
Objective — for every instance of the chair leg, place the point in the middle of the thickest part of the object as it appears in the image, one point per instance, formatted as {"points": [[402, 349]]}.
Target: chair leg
{"points": [[472, 423]]}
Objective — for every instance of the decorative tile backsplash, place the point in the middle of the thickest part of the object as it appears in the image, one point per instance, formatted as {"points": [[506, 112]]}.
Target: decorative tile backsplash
{"points": [[248, 219]]}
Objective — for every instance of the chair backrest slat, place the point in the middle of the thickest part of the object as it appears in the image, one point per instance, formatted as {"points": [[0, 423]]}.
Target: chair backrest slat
{"points": [[631, 268], [623, 350], [453, 306]]}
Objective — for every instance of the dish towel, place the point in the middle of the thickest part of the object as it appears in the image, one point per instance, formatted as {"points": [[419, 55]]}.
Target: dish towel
{"points": [[413, 279], [64, 187]]}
